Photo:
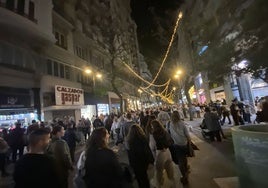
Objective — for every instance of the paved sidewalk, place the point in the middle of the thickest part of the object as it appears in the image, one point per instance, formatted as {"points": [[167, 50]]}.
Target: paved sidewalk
{"points": [[214, 165]]}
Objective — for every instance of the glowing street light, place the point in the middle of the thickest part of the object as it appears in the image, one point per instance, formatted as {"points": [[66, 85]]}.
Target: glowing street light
{"points": [[88, 71], [174, 88], [140, 91], [180, 15], [179, 72], [98, 75]]}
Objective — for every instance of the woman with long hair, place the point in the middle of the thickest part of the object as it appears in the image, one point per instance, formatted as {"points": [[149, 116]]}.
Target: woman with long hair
{"points": [[139, 154], [149, 134], [181, 138], [163, 160], [102, 168]]}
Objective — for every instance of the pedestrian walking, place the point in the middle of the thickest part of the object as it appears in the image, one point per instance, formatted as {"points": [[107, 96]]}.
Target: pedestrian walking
{"points": [[163, 159], [35, 169], [102, 168], [212, 123], [139, 149], [71, 137], [17, 141], [180, 135], [59, 149]]}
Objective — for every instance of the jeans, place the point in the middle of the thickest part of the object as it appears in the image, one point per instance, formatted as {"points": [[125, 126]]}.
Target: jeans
{"points": [[14, 152], [163, 161], [181, 152]]}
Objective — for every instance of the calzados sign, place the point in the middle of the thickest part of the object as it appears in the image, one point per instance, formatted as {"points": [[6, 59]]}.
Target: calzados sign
{"points": [[69, 96]]}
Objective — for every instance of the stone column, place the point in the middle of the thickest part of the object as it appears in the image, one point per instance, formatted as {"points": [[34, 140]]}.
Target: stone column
{"points": [[228, 90], [244, 88]]}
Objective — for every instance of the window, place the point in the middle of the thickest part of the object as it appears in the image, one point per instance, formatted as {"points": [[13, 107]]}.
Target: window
{"points": [[56, 69], [78, 77], [10, 4], [61, 39], [49, 67], [20, 7], [31, 10], [80, 52], [67, 72], [61, 70]]}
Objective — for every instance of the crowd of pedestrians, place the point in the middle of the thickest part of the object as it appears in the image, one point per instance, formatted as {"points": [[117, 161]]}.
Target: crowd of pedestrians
{"points": [[154, 139]]}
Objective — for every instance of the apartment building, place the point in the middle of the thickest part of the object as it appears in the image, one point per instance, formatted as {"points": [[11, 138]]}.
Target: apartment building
{"points": [[45, 48]]}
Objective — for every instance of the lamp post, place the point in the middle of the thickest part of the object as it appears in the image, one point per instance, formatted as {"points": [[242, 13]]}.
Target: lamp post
{"points": [[94, 76], [140, 92], [178, 77]]}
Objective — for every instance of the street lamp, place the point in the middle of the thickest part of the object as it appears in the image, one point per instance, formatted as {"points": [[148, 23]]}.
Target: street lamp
{"points": [[179, 72], [140, 92], [97, 75], [177, 76], [88, 71]]}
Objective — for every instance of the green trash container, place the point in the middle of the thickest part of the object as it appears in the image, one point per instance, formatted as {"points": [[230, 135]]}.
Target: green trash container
{"points": [[251, 153]]}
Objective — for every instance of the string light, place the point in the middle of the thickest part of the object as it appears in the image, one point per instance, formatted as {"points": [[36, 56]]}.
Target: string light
{"points": [[163, 61], [168, 49], [142, 79]]}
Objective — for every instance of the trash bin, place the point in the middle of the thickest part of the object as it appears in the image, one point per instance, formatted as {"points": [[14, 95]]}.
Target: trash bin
{"points": [[251, 153]]}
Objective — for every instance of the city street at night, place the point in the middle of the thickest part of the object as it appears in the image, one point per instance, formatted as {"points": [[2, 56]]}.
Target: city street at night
{"points": [[213, 166], [133, 93]]}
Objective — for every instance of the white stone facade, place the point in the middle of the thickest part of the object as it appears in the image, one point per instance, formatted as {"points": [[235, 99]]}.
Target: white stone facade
{"points": [[48, 44]]}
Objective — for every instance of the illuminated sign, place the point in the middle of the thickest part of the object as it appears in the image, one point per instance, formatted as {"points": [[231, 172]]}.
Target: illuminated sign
{"points": [[69, 96]]}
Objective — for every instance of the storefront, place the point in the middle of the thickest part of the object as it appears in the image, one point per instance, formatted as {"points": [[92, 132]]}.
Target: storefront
{"points": [[217, 94], [16, 104], [68, 104]]}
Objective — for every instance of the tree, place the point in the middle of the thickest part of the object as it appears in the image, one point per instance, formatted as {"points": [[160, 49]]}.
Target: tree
{"points": [[122, 48]]}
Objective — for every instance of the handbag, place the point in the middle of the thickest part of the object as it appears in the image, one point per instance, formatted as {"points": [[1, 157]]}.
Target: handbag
{"points": [[190, 150], [194, 146]]}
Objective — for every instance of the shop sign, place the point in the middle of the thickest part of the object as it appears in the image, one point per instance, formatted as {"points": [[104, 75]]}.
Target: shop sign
{"points": [[69, 96], [14, 101]]}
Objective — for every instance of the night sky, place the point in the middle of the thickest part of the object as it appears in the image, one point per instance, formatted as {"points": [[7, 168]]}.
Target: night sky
{"points": [[155, 21]]}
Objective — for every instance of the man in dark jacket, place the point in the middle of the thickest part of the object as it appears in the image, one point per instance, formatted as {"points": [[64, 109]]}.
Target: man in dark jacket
{"points": [[97, 123], [35, 169], [71, 138], [17, 141]]}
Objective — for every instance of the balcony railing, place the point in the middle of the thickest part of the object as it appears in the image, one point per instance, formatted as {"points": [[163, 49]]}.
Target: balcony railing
{"points": [[24, 8]]}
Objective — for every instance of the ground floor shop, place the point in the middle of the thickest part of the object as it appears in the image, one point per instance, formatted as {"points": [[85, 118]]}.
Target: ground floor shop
{"points": [[18, 104]]}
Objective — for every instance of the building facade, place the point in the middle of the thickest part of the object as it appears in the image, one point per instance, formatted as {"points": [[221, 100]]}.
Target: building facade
{"points": [[45, 48]]}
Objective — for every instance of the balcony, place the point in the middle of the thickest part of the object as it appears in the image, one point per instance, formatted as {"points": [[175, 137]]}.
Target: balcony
{"points": [[23, 8], [19, 19]]}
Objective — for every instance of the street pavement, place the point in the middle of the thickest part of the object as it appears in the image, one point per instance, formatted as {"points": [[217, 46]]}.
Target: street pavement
{"points": [[212, 167]]}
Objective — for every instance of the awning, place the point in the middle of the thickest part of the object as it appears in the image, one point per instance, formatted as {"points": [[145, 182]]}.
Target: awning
{"points": [[13, 111], [63, 107]]}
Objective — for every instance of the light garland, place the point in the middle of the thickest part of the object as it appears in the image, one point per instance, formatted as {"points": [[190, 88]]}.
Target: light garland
{"points": [[142, 79], [163, 61], [168, 49]]}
